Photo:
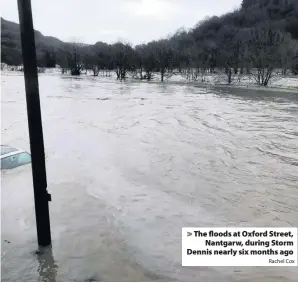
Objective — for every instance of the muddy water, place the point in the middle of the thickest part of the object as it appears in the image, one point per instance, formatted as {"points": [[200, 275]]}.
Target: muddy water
{"points": [[129, 164]]}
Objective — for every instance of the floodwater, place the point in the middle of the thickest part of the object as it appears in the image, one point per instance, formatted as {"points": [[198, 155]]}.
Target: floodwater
{"points": [[129, 164]]}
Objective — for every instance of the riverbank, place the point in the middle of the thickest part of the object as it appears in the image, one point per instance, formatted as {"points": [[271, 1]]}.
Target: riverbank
{"points": [[281, 83], [288, 83]]}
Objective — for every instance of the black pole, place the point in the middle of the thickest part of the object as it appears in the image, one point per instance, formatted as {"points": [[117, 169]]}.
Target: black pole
{"points": [[41, 195]]}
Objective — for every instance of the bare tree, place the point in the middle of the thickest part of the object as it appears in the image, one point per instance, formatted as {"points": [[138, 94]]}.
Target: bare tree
{"points": [[295, 64], [150, 64], [232, 51], [163, 56], [204, 61], [75, 58], [288, 57], [266, 48], [90, 60], [122, 57]]}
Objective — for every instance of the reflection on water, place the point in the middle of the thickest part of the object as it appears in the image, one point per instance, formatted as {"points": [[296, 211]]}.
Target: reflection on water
{"points": [[129, 164], [47, 268]]}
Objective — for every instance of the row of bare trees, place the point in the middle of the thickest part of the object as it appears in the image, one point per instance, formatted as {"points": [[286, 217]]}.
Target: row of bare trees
{"points": [[258, 51], [261, 51]]}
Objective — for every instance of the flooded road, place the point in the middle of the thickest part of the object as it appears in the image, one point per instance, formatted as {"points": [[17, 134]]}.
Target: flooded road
{"points": [[129, 164]]}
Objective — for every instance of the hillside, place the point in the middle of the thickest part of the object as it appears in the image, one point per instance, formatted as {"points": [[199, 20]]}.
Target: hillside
{"points": [[11, 52], [282, 14]]}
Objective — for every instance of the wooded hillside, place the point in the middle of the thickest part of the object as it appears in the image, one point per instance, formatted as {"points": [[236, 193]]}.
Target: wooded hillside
{"points": [[261, 34]]}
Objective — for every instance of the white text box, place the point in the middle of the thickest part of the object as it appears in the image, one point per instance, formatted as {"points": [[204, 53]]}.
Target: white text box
{"points": [[239, 246]]}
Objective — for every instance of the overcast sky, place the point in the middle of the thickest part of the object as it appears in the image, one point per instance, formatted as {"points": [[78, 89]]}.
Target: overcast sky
{"points": [[136, 21]]}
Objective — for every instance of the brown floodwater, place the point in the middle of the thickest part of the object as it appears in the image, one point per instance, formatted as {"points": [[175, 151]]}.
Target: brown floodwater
{"points": [[129, 164]]}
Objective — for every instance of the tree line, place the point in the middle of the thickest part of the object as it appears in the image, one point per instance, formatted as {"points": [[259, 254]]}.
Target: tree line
{"points": [[258, 51], [257, 39]]}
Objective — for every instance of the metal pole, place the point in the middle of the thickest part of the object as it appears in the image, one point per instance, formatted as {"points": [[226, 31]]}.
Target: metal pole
{"points": [[41, 196]]}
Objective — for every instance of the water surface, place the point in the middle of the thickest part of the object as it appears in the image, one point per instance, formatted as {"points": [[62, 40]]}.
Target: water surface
{"points": [[129, 164]]}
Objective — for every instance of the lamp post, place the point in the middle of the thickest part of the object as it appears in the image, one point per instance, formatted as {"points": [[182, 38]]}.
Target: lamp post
{"points": [[41, 196]]}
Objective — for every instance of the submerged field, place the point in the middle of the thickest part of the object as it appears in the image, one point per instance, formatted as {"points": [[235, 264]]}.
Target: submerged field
{"points": [[129, 164]]}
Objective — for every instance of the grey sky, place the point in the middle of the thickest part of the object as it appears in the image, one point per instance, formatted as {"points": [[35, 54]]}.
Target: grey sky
{"points": [[136, 21]]}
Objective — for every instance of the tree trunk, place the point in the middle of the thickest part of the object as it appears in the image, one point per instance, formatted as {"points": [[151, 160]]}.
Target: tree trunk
{"points": [[162, 72], [229, 74], [284, 71], [118, 73], [123, 74], [268, 76]]}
